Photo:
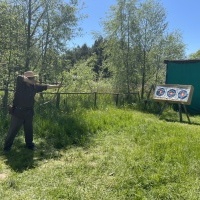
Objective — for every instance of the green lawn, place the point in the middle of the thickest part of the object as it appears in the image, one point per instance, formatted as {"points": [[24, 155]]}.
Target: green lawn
{"points": [[110, 154]]}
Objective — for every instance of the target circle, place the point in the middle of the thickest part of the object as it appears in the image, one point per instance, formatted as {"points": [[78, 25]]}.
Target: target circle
{"points": [[182, 94], [171, 93], [160, 92]]}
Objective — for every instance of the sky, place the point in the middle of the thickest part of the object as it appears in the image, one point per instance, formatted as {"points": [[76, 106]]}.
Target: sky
{"points": [[182, 15]]}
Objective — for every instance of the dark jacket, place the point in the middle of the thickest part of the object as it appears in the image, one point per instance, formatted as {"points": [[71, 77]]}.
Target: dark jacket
{"points": [[23, 101]]}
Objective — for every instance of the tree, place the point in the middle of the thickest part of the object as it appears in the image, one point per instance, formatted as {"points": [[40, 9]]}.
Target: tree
{"points": [[11, 46], [195, 55], [136, 34], [151, 19], [119, 46], [169, 47], [34, 32], [47, 26], [98, 50]]}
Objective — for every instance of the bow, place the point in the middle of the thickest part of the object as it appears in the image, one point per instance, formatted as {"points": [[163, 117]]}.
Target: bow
{"points": [[56, 93]]}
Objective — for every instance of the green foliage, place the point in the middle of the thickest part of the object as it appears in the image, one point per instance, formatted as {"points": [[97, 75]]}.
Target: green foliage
{"points": [[195, 55], [149, 106], [68, 129], [126, 60], [82, 78], [34, 35], [137, 43]]}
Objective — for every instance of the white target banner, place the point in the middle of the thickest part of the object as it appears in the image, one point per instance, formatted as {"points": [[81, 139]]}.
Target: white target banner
{"points": [[174, 93]]}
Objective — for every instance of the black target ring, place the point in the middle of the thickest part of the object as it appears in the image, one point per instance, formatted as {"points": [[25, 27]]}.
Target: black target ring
{"points": [[171, 93], [182, 94], [160, 92]]}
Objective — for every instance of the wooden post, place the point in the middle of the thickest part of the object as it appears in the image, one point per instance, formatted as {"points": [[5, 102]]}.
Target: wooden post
{"points": [[117, 99], [95, 99], [57, 100], [185, 109], [180, 112]]}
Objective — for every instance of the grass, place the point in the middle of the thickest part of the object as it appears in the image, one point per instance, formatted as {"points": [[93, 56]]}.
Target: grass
{"points": [[106, 154]]}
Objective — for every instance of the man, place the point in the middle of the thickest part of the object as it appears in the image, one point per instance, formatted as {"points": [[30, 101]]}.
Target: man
{"points": [[22, 113]]}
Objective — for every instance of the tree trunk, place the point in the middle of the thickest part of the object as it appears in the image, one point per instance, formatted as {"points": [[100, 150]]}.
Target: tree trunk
{"points": [[28, 44], [143, 75]]}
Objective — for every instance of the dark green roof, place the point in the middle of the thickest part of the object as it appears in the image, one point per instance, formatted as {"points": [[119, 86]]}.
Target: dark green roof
{"points": [[182, 61]]}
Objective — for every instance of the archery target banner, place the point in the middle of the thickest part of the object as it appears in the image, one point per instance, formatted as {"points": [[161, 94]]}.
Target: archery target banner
{"points": [[174, 93]]}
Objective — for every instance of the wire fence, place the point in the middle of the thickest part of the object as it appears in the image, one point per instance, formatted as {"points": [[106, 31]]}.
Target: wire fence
{"points": [[88, 99], [71, 100]]}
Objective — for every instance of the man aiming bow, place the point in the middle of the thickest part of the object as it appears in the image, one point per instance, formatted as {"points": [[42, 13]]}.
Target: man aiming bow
{"points": [[23, 108]]}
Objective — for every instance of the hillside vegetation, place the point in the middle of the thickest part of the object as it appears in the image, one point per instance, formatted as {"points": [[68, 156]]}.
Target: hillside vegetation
{"points": [[104, 154]]}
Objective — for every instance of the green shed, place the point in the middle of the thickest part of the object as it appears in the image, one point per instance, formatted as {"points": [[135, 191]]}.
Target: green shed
{"points": [[185, 72]]}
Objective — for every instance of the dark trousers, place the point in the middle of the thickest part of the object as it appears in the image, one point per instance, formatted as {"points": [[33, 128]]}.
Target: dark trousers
{"points": [[16, 124]]}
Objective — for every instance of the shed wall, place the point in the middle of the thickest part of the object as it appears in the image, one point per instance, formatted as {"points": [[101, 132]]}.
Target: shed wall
{"points": [[186, 73]]}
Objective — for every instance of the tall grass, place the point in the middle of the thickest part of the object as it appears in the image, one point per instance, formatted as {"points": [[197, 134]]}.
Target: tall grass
{"points": [[104, 154]]}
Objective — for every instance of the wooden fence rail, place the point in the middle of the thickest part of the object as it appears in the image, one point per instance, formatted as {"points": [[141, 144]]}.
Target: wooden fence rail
{"points": [[57, 96], [92, 93]]}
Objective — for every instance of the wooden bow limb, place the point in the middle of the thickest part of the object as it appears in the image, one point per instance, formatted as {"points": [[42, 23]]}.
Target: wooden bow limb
{"points": [[56, 94]]}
